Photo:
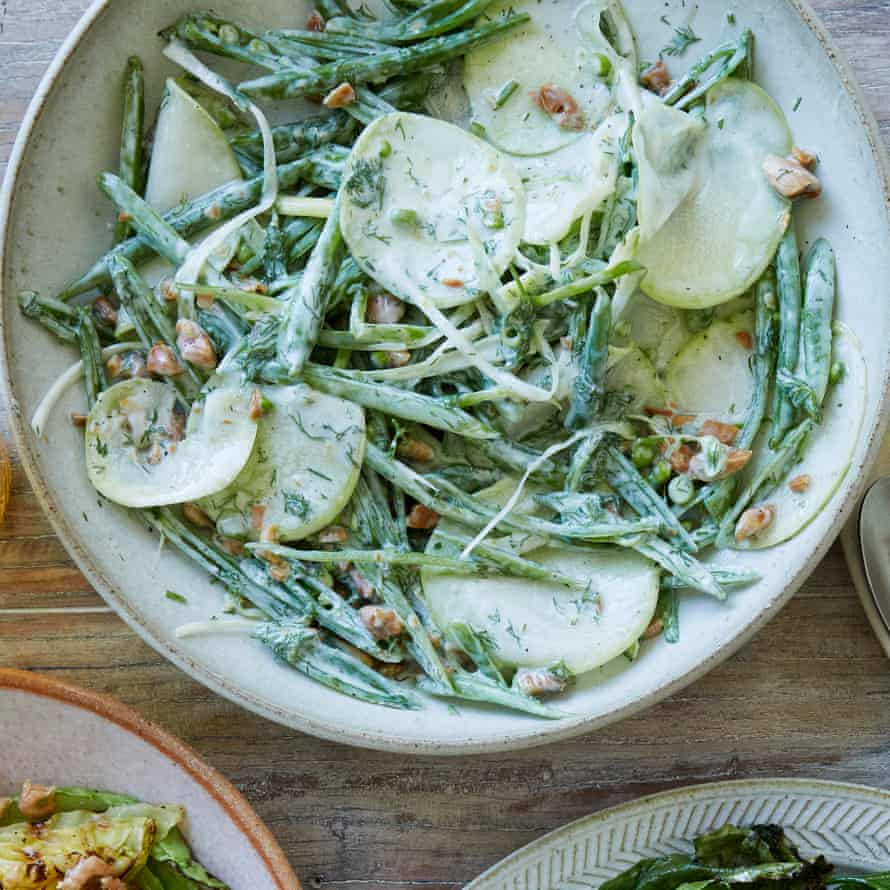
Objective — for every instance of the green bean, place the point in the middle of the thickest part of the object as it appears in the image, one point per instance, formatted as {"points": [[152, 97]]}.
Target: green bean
{"points": [[625, 478], [364, 69], [402, 403], [588, 283], [732, 57], [307, 304], [479, 688], [431, 20], [303, 649], [766, 480], [684, 567], [725, 577], [720, 495], [57, 317], [95, 381], [372, 521], [130, 167], [589, 391], [507, 562], [209, 33], [449, 501], [470, 642], [322, 168], [295, 140], [820, 271], [788, 274], [163, 239], [324, 46]]}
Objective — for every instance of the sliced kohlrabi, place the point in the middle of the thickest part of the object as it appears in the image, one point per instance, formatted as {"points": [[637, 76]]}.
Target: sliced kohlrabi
{"points": [[537, 624], [659, 330], [427, 207], [560, 46], [303, 470], [726, 230], [191, 155], [636, 383], [137, 456], [711, 376], [828, 455], [563, 185], [666, 142]]}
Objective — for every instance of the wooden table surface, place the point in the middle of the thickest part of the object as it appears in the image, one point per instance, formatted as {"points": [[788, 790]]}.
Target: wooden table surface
{"points": [[806, 698]]}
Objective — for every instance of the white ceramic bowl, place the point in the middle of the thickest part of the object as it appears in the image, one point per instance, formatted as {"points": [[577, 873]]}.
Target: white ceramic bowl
{"points": [[56, 224], [848, 824], [56, 734]]}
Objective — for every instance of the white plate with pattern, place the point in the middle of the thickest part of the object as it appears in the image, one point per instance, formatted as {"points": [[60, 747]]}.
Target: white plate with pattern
{"points": [[848, 824]]}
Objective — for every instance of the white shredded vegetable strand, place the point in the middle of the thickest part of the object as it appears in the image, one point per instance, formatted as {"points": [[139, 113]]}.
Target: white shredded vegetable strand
{"points": [[517, 388], [220, 626], [517, 494], [66, 380], [311, 208]]}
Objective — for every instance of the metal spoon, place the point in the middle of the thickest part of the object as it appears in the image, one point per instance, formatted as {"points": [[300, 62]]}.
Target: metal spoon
{"points": [[874, 538]]}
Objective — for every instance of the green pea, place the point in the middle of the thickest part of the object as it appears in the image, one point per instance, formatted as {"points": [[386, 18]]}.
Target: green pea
{"points": [[643, 455], [661, 473], [229, 34], [385, 150], [836, 374], [601, 64], [401, 216]]}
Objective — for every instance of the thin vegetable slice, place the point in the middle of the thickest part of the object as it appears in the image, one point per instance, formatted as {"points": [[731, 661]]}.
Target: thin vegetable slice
{"points": [[136, 454], [711, 375], [539, 624], [428, 207], [191, 155], [565, 184], [303, 470], [559, 47], [695, 260]]}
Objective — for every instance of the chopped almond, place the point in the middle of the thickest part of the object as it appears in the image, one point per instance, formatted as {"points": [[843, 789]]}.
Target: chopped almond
{"points": [[657, 79], [169, 290], [162, 361], [315, 22], [412, 449], [453, 282], [255, 407], [232, 546], [790, 178], [279, 572], [800, 484], [422, 518], [196, 516], [37, 801], [270, 534], [383, 623], [744, 339], [561, 105], [738, 459], [195, 344], [722, 432], [104, 312], [680, 459], [658, 412], [398, 359], [384, 308], [340, 96], [79, 420], [682, 419], [804, 158], [755, 521], [333, 534], [5, 804], [539, 682], [655, 629], [364, 587], [91, 871], [257, 514]]}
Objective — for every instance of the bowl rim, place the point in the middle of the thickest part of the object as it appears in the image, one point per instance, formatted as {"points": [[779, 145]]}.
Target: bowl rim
{"points": [[223, 792], [380, 740], [726, 787]]}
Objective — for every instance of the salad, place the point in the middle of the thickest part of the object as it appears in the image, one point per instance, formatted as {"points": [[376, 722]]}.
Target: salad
{"points": [[457, 381], [80, 839], [760, 855]]}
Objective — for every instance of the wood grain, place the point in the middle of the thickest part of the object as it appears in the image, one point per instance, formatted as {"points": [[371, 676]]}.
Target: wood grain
{"points": [[810, 696]]}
